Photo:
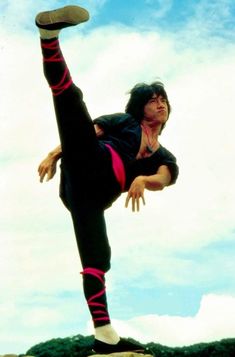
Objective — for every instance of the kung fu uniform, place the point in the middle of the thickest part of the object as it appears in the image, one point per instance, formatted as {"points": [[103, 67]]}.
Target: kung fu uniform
{"points": [[101, 188], [89, 183]]}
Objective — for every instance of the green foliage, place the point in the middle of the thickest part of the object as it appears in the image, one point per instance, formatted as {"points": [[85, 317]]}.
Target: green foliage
{"points": [[224, 348], [77, 346], [80, 346]]}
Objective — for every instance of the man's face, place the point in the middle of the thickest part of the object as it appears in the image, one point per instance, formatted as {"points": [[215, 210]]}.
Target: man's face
{"points": [[156, 109]]}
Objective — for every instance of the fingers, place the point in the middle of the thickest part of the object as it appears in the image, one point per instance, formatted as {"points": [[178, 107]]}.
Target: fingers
{"points": [[135, 201], [49, 174], [143, 200], [46, 169], [42, 172], [42, 175]]}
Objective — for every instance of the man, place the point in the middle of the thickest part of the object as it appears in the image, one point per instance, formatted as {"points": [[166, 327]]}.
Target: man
{"points": [[100, 159]]}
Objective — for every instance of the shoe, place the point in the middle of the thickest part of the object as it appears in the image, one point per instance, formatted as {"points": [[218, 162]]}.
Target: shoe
{"points": [[61, 18], [122, 346]]}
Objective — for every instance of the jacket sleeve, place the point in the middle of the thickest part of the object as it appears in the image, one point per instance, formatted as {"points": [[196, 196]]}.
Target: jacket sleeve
{"points": [[112, 122], [170, 161]]}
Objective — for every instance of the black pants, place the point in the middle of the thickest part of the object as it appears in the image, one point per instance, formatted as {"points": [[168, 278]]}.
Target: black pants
{"points": [[88, 184]]}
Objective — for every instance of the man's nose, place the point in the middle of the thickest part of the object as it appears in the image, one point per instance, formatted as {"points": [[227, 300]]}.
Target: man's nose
{"points": [[159, 103]]}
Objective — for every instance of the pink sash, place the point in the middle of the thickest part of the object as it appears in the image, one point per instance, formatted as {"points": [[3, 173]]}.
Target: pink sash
{"points": [[118, 167]]}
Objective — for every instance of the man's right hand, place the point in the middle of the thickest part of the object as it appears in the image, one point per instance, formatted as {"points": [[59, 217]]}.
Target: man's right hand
{"points": [[47, 167]]}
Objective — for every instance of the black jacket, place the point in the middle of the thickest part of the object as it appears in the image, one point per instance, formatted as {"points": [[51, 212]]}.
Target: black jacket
{"points": [[123, 133]]}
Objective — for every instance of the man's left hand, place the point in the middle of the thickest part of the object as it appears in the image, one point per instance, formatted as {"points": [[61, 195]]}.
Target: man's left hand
{"points": [[135, 193]]}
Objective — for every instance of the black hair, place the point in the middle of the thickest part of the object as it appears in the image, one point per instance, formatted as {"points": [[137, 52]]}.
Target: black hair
{"points": [[140, 94]]}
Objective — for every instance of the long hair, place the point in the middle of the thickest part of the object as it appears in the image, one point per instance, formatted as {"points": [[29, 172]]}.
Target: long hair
{"points": [[140, 94]]}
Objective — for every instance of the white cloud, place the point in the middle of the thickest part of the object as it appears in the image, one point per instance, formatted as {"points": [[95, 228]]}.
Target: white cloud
{"points": [[35, 319], [212, 322]]}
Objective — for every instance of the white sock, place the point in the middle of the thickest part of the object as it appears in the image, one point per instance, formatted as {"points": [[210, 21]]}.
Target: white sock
{"points": [[48, 34], [107, 334]]}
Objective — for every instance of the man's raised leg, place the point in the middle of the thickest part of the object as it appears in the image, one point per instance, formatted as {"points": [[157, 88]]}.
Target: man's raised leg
{"points": [[74, 123]]}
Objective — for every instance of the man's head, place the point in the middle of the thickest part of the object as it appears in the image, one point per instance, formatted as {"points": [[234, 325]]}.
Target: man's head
{"points": [[141, 94]]}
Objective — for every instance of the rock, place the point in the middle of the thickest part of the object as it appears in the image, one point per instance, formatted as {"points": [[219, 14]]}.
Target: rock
{"points": [[123, 354]]}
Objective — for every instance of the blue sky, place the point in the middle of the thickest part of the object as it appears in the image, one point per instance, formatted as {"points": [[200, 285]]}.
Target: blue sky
{"points": [[172, 263]]}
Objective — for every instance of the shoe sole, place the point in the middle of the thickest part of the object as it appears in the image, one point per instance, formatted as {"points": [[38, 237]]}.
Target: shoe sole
{"points": [[61, 18]]}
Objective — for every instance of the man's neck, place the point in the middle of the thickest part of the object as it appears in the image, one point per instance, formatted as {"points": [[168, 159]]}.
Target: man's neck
{"points": [[154, 128]]}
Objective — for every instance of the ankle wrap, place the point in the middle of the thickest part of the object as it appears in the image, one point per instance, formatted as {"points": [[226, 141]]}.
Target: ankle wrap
{"points": [[95, 292], [52, 56]]}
